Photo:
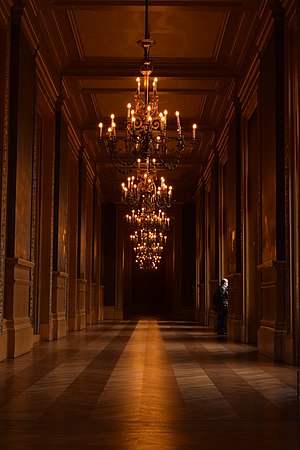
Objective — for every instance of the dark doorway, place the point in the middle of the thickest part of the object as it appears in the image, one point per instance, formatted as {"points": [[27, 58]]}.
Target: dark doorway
{"points": [[148, 289]]}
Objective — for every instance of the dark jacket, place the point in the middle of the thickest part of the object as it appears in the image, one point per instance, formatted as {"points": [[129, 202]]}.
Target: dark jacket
{"points": [[220, 300]]}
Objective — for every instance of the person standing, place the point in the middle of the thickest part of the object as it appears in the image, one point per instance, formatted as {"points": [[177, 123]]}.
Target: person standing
{"points": [[220, 304]]}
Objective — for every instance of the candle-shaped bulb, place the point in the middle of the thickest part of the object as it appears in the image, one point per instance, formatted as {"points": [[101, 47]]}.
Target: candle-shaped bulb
{"points": [[178, 122], [100, 129], [112, 116], [194, 131], [128, 110], [165, 117]]}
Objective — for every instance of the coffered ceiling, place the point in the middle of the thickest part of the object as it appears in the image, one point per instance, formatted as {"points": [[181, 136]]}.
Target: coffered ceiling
{"points": [[201, 46]]}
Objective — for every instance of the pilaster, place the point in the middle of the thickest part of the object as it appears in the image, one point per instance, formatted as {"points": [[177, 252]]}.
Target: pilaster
{"points": [[272, 330], [235, 312], [80, 318], [18, 326], [59, 313], [97, 293]]}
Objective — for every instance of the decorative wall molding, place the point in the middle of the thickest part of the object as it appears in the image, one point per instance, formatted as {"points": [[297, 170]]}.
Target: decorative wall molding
{"points": [[4, 177], [34, 218]]}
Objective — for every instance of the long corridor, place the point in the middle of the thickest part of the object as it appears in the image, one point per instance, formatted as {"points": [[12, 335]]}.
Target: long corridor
{"points": [[147, 385]]}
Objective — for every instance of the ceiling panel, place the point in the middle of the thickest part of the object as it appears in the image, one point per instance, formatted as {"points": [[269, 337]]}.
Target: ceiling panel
{"points": [[200, 48], [102, 36]]}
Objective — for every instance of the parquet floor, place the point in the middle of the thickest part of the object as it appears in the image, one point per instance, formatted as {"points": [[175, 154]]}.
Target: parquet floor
{"points": [[147, 385]]}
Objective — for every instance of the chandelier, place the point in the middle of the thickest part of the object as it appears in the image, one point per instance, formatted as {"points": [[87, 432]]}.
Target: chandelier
{"points": [[148, 221], [145, 137], [143, 192], [148, 238], [148, 258], [148, 248]]}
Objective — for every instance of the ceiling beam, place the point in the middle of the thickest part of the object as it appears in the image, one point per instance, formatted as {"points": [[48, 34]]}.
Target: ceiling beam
{"points": [[207, 5], [178, 68], [187, 91]]}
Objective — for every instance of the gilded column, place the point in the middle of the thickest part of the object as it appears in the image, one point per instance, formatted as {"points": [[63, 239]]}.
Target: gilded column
{"points": [[60, 226], [200, 254], [5, 90], [119, 260], [19, 192], [80, 319], [273, 268]]}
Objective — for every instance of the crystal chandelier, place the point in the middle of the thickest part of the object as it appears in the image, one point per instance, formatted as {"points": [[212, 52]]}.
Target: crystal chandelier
{"points": [[148, 258], [149, 221], [145, 137], [148, 248], [148, 238], [143, 192]]}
